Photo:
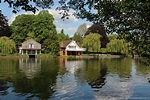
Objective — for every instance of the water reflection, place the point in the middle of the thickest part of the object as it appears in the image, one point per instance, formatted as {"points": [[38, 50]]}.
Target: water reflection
{"points": [[31, 67], [32, 79], [57, 79], [68, 86]]}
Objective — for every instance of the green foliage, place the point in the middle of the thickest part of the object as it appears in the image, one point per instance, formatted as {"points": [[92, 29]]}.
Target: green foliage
{"points": [[118, 47], [51, 44], [97, 28], [62, 36], [7, 46], [28, 5], [37, 27], [128, 18], [92, 42], [21, 27], [78, 38], [112, 37], [43, 26]]}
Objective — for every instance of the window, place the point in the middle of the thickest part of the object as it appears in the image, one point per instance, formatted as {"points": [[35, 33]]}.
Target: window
{"points": [[31, 45], [72, 47]]}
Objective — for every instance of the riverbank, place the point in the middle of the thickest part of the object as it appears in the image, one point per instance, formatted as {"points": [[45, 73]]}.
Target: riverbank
{"points": [[26, 56], [84, 56], [89, 56]]}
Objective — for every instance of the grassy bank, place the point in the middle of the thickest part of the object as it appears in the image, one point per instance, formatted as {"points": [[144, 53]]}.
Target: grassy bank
{"points": [[26, 56]]}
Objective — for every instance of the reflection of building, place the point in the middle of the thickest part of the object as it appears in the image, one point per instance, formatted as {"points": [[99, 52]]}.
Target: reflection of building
{"points": [[30, 67], [68, 85], [30, 47], [70, 47], [70, 66]]}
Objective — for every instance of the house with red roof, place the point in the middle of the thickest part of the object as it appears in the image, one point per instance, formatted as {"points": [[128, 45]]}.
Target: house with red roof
{"points": [[70, 47]]}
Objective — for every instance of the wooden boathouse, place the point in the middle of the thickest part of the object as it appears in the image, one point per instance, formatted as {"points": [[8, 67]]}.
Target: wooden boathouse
{"points": [[30, 47]]}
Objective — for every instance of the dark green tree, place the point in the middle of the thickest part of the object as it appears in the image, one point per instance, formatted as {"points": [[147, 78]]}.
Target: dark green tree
{"points": [[51, 44], [21, 27], [78, 38], [43, 26], [28, 5], [37, 27], [62, 36]]}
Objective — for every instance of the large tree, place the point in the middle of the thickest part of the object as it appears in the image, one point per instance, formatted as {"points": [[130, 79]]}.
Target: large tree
{"points": [[43, 26], [21, 27], [38, 27]]}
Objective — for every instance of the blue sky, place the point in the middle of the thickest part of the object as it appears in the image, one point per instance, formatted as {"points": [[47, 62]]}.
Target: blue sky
{"points": [[70, 26]]}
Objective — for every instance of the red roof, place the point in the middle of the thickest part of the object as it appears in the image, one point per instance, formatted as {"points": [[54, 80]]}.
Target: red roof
{"points": [[64, 43]]}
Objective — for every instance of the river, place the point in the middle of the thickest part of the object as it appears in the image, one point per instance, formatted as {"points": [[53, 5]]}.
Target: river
{"points": [[62, 79]]}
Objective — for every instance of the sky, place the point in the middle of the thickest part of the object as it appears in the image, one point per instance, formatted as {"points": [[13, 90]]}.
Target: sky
{"points": [[70, 26]]}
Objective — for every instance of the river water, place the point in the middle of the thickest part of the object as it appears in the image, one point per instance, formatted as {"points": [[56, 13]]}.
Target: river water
{"points": [[62, 79]]}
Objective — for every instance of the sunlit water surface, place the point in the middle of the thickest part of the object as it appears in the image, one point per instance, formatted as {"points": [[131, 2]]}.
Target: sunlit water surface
{"points": [[62, 79]]}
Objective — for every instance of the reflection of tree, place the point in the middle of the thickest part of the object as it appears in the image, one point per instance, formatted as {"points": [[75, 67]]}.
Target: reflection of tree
{"points": [[40, 85], [7, 72], [8, 68], [142, 67], [120, 66], [94, 73]]}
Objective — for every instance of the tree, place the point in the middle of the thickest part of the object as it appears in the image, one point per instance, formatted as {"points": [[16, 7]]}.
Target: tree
{"points": [[130, 19], [4, 27], [28, 5], [112, 36], [7, 46], [117, 46], [96, 28], [92, 42], [51, 44], [21, 27], [43, 26], [62, 36], [78, 38], [37, 27]]}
